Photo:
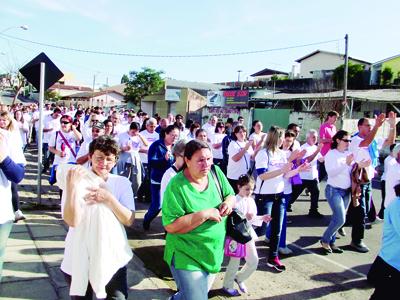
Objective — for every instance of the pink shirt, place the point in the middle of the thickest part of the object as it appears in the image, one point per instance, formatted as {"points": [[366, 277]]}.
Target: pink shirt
{"points": [[326, 131]]}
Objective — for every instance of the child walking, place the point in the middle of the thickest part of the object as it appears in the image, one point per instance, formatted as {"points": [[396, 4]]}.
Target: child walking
{"points": [[246, 205]]}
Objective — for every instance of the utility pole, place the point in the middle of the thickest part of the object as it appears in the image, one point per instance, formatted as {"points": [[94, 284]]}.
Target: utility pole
{"points": [[94, 83], [239, 71], [346, 70]]}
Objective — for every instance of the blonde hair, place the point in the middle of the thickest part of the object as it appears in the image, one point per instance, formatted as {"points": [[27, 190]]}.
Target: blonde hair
{"points": [[6, 115], [273, 136]]}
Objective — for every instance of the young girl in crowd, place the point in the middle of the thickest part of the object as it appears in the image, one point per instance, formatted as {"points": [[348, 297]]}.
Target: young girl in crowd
{"points": [[246, 205]]}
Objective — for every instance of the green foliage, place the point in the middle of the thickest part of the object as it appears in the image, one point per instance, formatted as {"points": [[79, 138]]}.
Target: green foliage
{"points": [[142, 84], [386, 75], [125, 78], [51, 96], [354, 78]]}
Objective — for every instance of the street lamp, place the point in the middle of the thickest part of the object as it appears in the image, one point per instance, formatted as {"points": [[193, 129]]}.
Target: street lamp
{"points": [[239, 71], [23, 27]]}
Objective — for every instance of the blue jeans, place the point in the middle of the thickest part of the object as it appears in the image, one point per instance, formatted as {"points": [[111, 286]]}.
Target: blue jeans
{"points": [[155, 205], [338, 200], [274, 205], [5, 230], [192, 285], [282, 240]]}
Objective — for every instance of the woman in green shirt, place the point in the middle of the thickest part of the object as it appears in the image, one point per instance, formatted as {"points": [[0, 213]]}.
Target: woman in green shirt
{"points": [[194, 216]]}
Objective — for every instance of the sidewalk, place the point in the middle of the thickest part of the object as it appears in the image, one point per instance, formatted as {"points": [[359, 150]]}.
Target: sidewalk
{"points": [[35, 250]]}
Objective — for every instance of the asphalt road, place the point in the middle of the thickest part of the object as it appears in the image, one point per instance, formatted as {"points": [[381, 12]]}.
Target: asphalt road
{"points": [[310, 274]]}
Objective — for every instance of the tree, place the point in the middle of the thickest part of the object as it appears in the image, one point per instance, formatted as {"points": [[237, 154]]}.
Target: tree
{"points": [[142, 84], [386, 75], [125, 78], [354, 77], [52, 95]]}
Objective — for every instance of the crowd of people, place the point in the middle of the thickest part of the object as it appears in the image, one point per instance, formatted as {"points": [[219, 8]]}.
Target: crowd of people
{"points": [[196, 175]]}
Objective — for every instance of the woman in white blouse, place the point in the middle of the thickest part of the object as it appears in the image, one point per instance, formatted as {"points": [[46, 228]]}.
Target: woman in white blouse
{"points": [[338, 164], [240, 153]]}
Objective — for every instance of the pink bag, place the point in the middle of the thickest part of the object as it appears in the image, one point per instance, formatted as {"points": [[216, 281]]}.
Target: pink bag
{"points": [[234, 249]]}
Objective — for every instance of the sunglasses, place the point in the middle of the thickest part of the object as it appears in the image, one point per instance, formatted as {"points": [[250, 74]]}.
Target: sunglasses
{"points": [[346, 140], [65, 122]]}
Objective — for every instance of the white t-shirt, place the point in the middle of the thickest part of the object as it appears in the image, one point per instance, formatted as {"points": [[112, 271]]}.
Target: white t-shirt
{"points": [[209, 128], [389, 160], [287, 182], [361, 153], [49, 122], [339, 173], [240, 167], [270, 162], [217, 139], [71, 139], [392, 179], [15, 153], [313, 172], [164, 182], [151, 138], [256, 137], [296, 145], [83, 150]]}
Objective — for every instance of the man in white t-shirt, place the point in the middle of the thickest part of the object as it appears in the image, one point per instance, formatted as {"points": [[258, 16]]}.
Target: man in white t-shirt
{"points": [[392, 176], [296, 129], [51, 124], [210, 125], [309, 177], [364, 147], [82, 157]]}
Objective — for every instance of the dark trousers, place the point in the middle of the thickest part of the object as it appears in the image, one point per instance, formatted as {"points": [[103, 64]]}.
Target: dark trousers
{"points": [[155, 205], [233, 183], [321, 171], [313, 188], [383, 193], [116, 288], [14, 196], [144, 193], [385, 278], [357, 214], [274, 205]]}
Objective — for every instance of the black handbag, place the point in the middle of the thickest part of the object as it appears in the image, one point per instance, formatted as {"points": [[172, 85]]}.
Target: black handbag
{"points": [[237, 226]]}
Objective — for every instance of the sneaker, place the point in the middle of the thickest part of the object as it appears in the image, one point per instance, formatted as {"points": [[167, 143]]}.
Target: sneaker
{"points": [[342, 232], [285, 251], [326, 247], [276, 264], [368, 225], [242, 286], [19, 216], [336, 249], [377, 220], [360, 247], [315, 214], [231, 292]]}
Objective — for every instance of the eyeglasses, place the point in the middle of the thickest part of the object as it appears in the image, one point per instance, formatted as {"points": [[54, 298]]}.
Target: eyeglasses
{"points": [[346, 140], [104, 159], [65, 122]]}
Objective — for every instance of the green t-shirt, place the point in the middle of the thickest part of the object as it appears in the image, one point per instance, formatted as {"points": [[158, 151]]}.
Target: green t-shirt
{"points": [[201, 248]]}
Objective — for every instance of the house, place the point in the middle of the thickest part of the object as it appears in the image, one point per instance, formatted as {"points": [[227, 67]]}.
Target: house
{"points": [[112, 96], [64, 90], [320, 64], [266, 74], [179, 97], [376, 69]]}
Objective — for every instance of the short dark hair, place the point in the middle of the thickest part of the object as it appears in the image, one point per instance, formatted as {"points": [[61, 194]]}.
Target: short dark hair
{"points": [[167, 130], [134, 126], [361, 121], [200, 131], [338, 136], [291, 126], [57, 110], [218, 125], [105, 144], [193, 146], [240, 117]]}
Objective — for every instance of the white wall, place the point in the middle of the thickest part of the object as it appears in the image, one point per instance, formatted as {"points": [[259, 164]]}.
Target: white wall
{"points": [[110, 99]]}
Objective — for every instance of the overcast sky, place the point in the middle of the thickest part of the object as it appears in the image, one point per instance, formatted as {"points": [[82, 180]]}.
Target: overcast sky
{"points": [[189, 28]]}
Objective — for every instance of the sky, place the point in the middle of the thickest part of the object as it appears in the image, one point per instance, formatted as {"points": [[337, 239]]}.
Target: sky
{"points": [[190, 28]]}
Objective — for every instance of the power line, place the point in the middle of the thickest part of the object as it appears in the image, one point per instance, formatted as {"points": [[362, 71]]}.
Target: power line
{"points": [[167, 56]]}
